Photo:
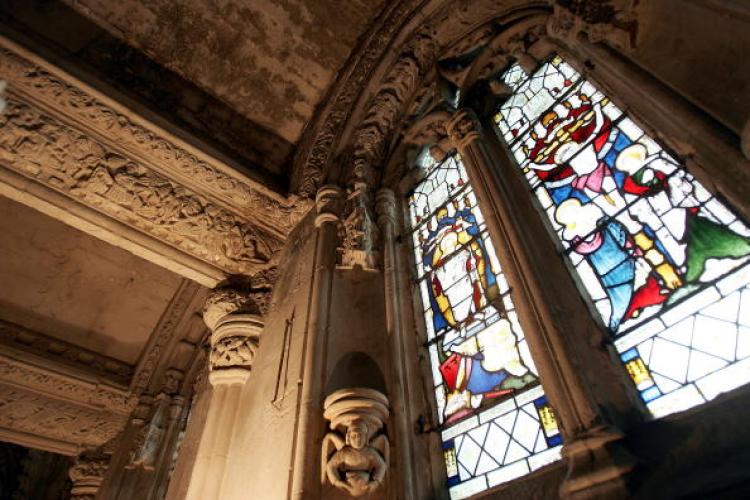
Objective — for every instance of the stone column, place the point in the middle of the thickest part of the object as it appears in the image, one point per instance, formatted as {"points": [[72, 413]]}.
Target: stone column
{"points": [[582, 378], [236, 326], [388, 216], [87, 475], [306, 451]]}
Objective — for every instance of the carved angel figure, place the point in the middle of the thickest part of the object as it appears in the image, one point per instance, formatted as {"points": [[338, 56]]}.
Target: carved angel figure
{"points": [[357, 463]]}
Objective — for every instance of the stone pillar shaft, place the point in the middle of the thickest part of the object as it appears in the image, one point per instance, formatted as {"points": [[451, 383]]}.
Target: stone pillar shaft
{"points": [[582, 380], [387, 212], [306, 452], [235, 332]]}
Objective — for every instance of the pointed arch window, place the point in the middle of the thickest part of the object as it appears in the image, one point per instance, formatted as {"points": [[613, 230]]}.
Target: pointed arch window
{"points": [[496, 423], [665, 264]]}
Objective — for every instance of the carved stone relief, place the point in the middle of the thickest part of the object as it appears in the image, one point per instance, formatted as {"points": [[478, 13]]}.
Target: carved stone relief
{"points": [[234, 319], [69, 138], [355, 453], [610, 21], [87, 475]]}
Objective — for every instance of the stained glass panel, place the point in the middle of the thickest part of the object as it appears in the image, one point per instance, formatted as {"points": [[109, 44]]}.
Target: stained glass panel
{"points": [[495, 418], [662, 260]]}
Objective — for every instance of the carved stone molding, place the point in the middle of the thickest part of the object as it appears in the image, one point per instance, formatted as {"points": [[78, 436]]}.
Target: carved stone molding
{"points": [[167, 330], [69, 138], [317, 145], [18, 337], [355, 453]]}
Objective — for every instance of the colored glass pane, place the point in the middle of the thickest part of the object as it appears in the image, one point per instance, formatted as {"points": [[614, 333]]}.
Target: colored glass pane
{"points": [[663, 261], [495, 418]]}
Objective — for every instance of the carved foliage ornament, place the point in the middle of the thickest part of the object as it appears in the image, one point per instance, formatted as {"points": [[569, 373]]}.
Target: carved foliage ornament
{"points": [[355, 453]]}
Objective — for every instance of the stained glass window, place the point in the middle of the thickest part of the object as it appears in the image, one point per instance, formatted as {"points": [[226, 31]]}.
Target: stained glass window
{"points": [[495, 419], [665, 263]]}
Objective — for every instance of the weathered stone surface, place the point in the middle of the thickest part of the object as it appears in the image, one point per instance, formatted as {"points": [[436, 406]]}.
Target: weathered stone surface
{"points": [[273, 61]]}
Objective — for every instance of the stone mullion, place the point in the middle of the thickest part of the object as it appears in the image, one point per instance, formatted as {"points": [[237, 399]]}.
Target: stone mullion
{"points": [[589, 392], [386, 207], [306, 449], [689, 131]]}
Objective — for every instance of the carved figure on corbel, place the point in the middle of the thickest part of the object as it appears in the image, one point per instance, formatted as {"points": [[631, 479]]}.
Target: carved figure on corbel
{"points": [[87, 475], [612, 22], [355, 454], [151, 432]]}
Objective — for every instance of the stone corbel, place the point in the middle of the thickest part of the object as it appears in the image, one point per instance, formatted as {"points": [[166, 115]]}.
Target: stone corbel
{"points": [[608, 21], [355, 453]]}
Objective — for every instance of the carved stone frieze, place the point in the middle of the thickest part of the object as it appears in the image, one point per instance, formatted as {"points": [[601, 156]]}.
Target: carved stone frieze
{"points": [[18, 337], [26, 413], [64, 387], [355, 453], [68, 137]]}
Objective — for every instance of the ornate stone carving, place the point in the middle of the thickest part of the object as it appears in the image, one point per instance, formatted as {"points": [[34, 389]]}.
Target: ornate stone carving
{"points": [[65, 387], [65, 159], [355, 453], [26, 413], [21, 338], [234, 319], [168, 327], [151, 432], [87, 475], [317, 145], [609, 21], [463, 128], [385, 207]]}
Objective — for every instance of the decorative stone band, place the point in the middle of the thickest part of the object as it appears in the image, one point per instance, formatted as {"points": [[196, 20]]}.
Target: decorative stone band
{"points": [[105, 170], [355, 453]]}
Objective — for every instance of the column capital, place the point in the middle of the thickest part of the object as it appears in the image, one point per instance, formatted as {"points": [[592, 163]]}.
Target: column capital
{"points": [[236, 325], [328, 204], [463, 128], [87, 474], [385, 209]]}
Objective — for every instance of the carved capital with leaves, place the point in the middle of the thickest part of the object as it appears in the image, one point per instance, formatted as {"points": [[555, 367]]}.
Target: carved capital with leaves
{"points": [[463, 128]]}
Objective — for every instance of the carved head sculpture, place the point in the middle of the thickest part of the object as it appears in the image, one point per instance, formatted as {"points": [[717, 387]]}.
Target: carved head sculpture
{"points": [[357, 435]]}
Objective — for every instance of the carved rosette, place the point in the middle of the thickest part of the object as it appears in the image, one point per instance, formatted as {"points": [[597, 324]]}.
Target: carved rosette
{"points": [[87, 475], [355, 453], [463, 128], [236, 324]]}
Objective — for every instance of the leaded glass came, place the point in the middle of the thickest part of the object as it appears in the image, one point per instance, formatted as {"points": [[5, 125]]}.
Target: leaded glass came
{"points": [[663, 261], [497, 424]]}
